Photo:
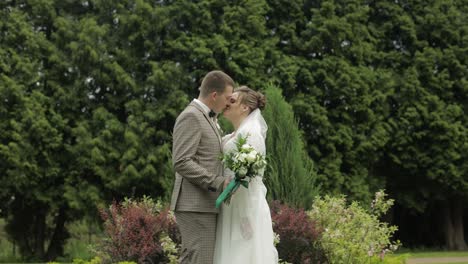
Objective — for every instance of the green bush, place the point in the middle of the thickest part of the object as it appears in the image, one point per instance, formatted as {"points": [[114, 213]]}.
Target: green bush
{"points": [[351, 234]]}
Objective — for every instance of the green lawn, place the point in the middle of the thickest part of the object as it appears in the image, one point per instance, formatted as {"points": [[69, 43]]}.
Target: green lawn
{"points": [[453, 263], [438, 254], [434, 254]]}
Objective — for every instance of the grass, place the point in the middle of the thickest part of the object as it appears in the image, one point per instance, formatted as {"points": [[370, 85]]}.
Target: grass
{"points": [[453, 263], [437, 254], [431, 254], [6, 247]]}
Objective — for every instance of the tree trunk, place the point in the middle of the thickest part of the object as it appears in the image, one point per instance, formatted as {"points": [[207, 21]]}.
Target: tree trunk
{"points": [[448, 227], [59, 236], [29, 230], [453, 225], [39, 233], [459, 235]]}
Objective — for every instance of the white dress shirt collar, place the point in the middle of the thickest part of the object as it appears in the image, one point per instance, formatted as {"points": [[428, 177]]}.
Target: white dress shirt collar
{"points": [[203, 106]]}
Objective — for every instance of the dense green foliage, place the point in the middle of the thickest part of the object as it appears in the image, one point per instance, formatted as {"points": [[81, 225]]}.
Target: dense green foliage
{"points": [[90, 90]]}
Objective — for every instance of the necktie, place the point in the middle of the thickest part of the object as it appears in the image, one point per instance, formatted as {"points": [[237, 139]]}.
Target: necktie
{"points": [[212, 115]]}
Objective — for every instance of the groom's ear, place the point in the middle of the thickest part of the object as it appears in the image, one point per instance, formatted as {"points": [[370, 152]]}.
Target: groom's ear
{"points": [[213, 95]]}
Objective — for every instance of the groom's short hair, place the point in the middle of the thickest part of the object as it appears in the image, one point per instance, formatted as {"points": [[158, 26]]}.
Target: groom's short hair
{"points": [[215, 81]]}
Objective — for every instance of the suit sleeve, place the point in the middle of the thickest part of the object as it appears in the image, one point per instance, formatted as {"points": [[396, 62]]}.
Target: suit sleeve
{"points": [[186, 138]]}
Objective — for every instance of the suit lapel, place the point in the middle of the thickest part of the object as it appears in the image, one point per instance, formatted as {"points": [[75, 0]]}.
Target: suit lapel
{"points": [[209, 120]]}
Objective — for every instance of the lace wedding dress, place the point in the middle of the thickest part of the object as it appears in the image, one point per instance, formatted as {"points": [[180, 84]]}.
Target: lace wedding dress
{"points": [[244, 232]]}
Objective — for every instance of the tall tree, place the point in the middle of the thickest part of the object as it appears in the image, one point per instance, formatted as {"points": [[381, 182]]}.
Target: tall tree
{"points": [[32, 149], [86, 120], [426, 50], [326, 55]]}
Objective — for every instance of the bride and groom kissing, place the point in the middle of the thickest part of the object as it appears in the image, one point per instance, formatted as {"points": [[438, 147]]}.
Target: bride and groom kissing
{"points": [[238, 232]]}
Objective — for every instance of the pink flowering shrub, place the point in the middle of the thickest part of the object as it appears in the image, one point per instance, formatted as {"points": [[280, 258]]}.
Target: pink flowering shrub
{"points": [[137, 231], [298, 235]]}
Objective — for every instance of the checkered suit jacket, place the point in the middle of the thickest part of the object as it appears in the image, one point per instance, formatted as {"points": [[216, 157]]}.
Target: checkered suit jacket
{"points": [[196, 155]]}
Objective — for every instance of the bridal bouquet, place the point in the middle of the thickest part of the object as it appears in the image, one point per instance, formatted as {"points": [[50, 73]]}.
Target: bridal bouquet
{"points": [[246, 163]]}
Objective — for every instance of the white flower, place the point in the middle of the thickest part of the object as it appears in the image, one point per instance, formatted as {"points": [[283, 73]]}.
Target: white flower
{"points": [[251, 156], [379, 195], [246, 147], [171, 216], [276, 238], [242, 171], [242, 157], [393, 247]]}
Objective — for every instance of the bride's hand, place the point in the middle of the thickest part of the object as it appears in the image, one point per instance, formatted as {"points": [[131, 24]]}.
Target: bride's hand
{"points": [[246, 228]]}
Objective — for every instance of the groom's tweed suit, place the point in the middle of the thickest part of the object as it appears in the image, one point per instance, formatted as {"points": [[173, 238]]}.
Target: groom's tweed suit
{"points": [[199, 179]]}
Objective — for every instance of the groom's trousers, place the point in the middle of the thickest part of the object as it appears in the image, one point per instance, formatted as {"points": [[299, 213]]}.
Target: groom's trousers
{"points": [[198, 231]]}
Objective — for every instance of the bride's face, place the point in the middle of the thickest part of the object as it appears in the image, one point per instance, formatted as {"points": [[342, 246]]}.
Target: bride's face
{"points": [[235, 110]]}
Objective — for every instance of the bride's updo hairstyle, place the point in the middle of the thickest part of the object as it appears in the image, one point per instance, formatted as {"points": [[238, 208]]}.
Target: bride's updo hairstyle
{"points": [[251, 98]]}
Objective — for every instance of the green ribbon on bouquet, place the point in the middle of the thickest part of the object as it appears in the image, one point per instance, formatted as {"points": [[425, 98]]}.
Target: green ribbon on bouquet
{"points": [[230, 189]]}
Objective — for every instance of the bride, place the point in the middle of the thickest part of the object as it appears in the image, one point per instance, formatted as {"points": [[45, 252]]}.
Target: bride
{"points": [[244, 232]]}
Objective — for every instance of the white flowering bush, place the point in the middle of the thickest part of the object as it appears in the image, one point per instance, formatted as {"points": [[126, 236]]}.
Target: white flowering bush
{"points": [[170, 249], [351, 234]]}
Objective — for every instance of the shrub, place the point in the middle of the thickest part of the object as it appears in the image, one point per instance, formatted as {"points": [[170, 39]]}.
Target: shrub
{"points": [[298, 234], [352, 234], [140, 231]]}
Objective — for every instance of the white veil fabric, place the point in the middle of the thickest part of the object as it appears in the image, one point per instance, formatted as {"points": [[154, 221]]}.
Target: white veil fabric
{"points": [[255, 127], [244, 231]]}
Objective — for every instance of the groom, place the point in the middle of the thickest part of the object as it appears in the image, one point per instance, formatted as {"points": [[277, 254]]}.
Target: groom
{"points": [[199, 173]]}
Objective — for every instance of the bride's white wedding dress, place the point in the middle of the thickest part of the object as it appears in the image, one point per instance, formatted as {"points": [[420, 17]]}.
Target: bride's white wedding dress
{"points": [[244, 233]]}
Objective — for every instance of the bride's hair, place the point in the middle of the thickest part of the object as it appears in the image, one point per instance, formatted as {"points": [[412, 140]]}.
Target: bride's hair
{"points": [[251, 98]]}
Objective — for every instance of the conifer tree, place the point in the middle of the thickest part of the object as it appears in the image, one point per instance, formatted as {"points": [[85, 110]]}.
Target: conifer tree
{"points": [[291, 176]]}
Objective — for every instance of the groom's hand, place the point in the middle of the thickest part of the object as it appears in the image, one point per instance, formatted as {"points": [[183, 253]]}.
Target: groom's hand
{"points": [[226, 183]]}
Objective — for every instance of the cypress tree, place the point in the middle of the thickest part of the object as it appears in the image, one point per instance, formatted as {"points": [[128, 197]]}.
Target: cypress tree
{"points": [[291, 176]]}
